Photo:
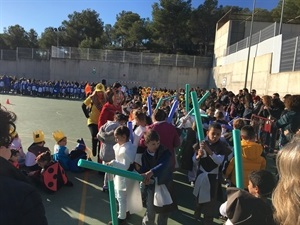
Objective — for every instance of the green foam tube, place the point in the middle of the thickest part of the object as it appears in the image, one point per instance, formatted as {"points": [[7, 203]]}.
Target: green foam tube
{"points": [[167, 98], [159, 103], [112, 199], [238, 162], [199, 125], [204, 97], [110, 169], [187, 100]]}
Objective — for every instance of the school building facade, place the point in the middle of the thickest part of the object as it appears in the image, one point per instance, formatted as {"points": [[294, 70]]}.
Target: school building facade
{"points": [[273, 60]]}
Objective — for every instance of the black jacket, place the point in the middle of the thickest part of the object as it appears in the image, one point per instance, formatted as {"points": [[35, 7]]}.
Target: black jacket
{"points": [[21, 203]]}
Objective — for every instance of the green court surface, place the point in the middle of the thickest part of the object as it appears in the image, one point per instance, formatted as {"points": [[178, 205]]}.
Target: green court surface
{"points": [[84, 203]]}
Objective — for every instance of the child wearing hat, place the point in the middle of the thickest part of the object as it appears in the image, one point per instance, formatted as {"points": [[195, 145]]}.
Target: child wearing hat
{"points": [[36, 148], [61, 153], [251, 207]]}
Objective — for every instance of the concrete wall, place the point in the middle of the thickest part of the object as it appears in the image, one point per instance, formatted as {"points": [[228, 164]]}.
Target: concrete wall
{"points": [[232, 76], [130, 74], [263, 71], [94, 71], [222, 40], [38, 69]]}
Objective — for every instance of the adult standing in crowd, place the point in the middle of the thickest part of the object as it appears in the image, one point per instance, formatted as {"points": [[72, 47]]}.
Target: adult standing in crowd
{"points": [[92, 107], [286, 195], [114, 104], [266, 112], [289, 122], [21, 202]]}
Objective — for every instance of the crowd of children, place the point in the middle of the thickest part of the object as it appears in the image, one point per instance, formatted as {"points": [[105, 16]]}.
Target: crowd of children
{"points": [[150, 148]]}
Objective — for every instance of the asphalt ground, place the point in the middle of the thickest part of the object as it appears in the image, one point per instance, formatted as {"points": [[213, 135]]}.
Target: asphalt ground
{"points": [[85, 203]]}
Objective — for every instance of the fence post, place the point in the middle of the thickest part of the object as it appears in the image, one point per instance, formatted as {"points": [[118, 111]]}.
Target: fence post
{"points": [[88, 54], [194, 63], [295, 55], [158, 59], [105, 55], [1, 57], [176, 60], [70, 53], [141, 57], [32, 53], [17, 53], [259, 36], [124, 56]]}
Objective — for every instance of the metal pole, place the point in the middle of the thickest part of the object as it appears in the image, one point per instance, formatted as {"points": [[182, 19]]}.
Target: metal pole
{"points": [[249, 48], [295, 54], [281, 18]]}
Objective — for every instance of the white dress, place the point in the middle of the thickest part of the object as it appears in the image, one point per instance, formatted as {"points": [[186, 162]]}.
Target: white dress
{"points": [[125, 155], [137, 135]]}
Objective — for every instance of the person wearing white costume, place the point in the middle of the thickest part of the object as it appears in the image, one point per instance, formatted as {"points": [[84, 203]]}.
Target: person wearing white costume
{"points": [[127, 190]]}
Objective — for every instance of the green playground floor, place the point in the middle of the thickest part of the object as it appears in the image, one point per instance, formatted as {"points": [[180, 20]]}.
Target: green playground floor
{"points": [[84, 203]]}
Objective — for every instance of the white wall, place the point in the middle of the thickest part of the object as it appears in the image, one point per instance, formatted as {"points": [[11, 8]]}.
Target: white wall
{"points": [[272, 45]]}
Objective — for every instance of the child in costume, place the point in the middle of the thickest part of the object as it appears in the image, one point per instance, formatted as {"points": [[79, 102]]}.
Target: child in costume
{"points": [[253, 207], [127, 190], [210, 156], [76, 154], [62, 152], [51, 176], [36, 148], [157, 164]]}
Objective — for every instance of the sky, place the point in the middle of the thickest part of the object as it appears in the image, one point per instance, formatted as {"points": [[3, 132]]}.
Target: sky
{"points": [[40, 14]]}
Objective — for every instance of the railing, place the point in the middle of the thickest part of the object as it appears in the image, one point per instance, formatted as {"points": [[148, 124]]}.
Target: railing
{"points": [[106, 56], [258, 37], [290, 55], [130, 57], [24, 53]]}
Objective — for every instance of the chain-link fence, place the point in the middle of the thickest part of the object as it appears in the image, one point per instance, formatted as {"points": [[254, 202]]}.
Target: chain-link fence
{"points": [[130, 57], [290, 55], [107, 56], [24, 53], [256, 38]]}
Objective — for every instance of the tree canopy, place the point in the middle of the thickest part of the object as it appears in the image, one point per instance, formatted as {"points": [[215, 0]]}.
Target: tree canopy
{"points": [[176, 27]]}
